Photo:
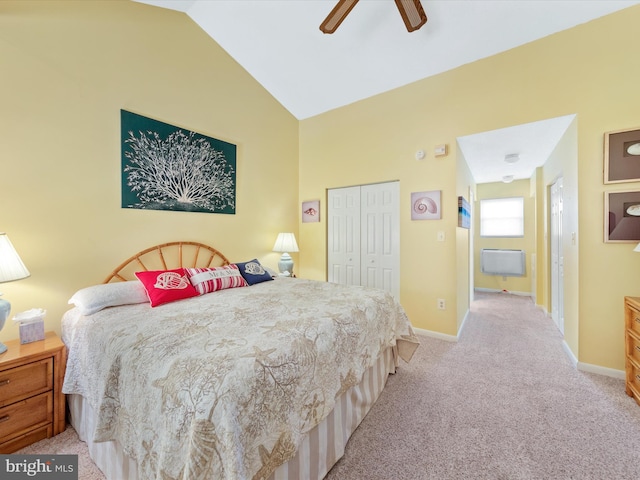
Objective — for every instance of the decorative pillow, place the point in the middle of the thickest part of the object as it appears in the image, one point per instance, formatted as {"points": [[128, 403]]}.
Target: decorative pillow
{"points": [[253, 272], [164, 286], [92, 299], [206, 280]]}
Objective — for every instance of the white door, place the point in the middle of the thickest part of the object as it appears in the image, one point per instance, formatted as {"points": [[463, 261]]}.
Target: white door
{"points": [[343, 236], [363, 236], [557, 259], [380, 237], [472, 280]]}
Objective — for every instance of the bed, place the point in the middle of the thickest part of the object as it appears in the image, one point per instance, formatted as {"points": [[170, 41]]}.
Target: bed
{"points": [[262, 380]]}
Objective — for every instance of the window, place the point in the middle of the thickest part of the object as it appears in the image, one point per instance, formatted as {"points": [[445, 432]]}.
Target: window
{"points": [[502, 217]]}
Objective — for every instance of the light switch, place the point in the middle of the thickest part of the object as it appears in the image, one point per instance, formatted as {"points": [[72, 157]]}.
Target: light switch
{"points": [[441, 236]]}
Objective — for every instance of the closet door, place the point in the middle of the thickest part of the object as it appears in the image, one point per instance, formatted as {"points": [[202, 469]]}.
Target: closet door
{"points": [[380, 237], [343, 236], [363, 236]]}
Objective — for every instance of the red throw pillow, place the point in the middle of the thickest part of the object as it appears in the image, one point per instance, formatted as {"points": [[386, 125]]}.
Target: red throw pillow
{"points": [[164, 286], [206, 280]]}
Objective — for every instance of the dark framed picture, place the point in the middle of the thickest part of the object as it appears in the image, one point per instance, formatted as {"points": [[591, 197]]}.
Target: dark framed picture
{"points": [[622, 156], [622, 217], [165, 167]]}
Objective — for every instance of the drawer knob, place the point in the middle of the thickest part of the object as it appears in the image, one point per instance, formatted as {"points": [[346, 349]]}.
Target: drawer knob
{"points": [[4, 419], [4, 382]]}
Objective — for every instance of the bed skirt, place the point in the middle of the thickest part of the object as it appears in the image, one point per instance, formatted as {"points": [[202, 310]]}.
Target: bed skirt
{"points": [[321, 448]]}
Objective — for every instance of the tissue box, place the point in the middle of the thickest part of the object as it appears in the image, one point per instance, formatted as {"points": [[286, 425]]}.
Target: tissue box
{"points": [[31, 324], [32, 331]]}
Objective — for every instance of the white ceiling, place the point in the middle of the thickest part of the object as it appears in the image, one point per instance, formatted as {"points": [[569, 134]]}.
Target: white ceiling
{"points": [[279, 43]]}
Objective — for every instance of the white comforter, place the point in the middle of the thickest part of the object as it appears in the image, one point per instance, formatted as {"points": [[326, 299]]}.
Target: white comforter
{"points": [[223, 386]]}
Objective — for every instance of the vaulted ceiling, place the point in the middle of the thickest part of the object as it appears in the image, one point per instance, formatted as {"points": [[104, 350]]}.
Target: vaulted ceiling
{"points": [[280, 44]]}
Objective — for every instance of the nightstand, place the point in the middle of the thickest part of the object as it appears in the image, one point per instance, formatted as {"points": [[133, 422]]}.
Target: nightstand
{"points": [[32, 405]]}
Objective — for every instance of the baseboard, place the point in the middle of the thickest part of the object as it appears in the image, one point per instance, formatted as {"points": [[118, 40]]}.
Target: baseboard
{"points": [[438, 335], [609, 372], [492, 290], [590, 368], [569, 352]]}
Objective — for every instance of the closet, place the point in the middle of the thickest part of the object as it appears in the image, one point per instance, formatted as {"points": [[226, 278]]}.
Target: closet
{"points": [[363, 236]]}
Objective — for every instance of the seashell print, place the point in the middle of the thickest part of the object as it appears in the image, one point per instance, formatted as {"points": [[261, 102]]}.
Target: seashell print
{"points": [[425, 205], [253, 268], [171, 281], [203, 446], [311, 211]]}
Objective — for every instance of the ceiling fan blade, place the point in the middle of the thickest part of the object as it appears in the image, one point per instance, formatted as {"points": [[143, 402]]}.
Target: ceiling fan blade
{"points": [[412, 13], [337, 15]]}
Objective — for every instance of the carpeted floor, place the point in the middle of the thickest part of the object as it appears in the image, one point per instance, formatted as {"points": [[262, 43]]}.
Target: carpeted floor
{"points": [[504, 402]]}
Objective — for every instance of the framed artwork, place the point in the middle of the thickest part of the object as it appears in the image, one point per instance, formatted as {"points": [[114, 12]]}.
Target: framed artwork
{"points": [[169, 168], [622, 156], [426, 205], [622, 217], [464, 213], [311, 211]]}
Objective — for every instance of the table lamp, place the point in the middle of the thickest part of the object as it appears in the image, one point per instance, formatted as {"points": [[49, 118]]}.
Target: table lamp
{"points": [[11, 268], [285, 243]]}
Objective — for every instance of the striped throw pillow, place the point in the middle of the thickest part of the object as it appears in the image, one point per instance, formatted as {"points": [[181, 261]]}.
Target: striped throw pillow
{"points": [[206, 280]]}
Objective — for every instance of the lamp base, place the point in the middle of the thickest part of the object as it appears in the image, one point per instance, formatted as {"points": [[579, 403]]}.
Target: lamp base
{"points": [[5, 308], [285, 265]]}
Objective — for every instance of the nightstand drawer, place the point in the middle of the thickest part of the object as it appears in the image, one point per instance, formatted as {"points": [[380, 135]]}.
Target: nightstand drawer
{"points": [[634, 320], [27, 439], [25, 381], [633, 346], [20, 417]]}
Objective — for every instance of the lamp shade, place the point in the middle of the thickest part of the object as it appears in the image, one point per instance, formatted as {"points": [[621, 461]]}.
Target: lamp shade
{"points": [[286, 242], [11, 266], [637, 249]]}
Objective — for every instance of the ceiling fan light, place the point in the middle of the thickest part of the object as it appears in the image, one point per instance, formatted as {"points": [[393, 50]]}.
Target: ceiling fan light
{"points": [[412, 14], [337, 15]]}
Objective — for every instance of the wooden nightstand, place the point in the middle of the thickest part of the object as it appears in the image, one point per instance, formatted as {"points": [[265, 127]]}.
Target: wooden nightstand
{"points": [[632, 346], [32, 405]]}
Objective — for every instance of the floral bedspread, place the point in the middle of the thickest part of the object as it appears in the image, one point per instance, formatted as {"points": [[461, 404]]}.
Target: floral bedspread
{"points": [[223, 386]]}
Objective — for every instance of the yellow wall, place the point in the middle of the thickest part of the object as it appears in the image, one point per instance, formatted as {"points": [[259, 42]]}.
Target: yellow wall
{"points": [[588, 71], [69, 67], [67, 70]]}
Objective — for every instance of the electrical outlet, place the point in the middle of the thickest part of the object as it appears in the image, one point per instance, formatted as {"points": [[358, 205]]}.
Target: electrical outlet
{"points": [[441, 305]]}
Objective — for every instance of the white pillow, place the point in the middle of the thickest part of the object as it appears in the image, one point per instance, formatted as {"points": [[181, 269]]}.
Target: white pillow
{"points": [[93, 299]]}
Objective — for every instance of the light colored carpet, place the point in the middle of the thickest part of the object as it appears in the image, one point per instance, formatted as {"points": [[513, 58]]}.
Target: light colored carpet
{"points": [[504, 402]]}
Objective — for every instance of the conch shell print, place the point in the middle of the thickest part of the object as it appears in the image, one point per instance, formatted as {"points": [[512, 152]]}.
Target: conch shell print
{"points": [[171, 281], [311, 211]]}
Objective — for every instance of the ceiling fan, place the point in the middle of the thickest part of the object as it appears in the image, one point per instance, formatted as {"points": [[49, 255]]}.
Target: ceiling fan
{"points": [[411, 11]]}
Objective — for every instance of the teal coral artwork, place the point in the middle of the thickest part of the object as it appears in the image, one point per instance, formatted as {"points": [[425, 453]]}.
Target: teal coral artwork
{"points": [[169, 168]]}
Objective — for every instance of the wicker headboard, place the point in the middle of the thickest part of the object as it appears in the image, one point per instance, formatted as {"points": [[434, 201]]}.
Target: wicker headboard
{"points": [[168, 256]]}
